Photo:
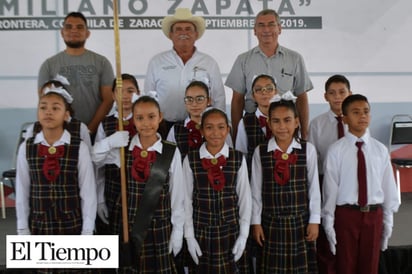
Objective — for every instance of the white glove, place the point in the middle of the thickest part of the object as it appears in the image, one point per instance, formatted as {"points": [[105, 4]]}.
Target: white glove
{"points": [[102, 212], [331, 236], [176, 242], [118, 139], [239, 247], [23, 231], [386, 234], [85, 232], [194, 249]]}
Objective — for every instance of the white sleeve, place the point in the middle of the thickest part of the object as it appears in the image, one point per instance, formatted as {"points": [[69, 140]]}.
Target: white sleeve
{"points": [[85, 135], [241, 138], [256, 188], [330, 189], [87, 186], [171, 135], [313, 184], [176, 185], [22, 189], [244, 195], [188, 187]]}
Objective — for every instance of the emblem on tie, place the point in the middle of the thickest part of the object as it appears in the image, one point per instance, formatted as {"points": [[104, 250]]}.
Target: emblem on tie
{"points": [[285, 156], [126, 123], [143, 153], [52, 150], [213, 161]]}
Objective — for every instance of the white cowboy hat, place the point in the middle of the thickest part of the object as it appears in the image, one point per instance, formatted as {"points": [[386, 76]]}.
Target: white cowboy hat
{"points": [[183, 15]]}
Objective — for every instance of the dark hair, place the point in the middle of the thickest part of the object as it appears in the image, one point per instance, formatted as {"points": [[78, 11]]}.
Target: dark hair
{"points": [[199, 84], [289, 104], [213, 111], [337, 78], [263, 76], [76, 15], [351, 99], [146, 99], [58, 84], [126, 76], [268, 12]]}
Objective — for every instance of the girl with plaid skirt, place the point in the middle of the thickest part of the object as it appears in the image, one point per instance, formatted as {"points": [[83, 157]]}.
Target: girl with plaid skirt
{"points": [[55, 184], [218, 205], [286, 195], [108, 140], [164, 233]]}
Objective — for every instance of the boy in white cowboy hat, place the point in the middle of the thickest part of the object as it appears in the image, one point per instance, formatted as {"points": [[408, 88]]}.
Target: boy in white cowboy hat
{"points": [[183, 62]]}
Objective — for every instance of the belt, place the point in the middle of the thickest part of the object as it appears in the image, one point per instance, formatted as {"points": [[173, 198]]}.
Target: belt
{"points": [[363, 208]]}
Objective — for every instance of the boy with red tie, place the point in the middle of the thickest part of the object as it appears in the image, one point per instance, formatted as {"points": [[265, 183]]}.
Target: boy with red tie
{"points": [[358, 186]]}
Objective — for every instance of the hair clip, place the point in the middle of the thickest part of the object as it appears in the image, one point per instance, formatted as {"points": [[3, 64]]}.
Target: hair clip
{"points": [[62, 79], [287, 96], [59, 90]]}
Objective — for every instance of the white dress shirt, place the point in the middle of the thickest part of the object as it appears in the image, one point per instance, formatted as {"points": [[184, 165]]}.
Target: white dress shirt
{"points": [[242, 190], [340, 183], [87, 185], [323, 131], [312, 176], [169, 77]]}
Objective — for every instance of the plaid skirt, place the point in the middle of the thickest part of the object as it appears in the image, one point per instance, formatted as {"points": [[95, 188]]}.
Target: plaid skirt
{"points": [[56, 222], [216, 244], [154, 254], [285, 249]]}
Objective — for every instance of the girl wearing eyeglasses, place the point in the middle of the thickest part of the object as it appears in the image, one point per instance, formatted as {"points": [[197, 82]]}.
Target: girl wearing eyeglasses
{"points": [[186, 134]]}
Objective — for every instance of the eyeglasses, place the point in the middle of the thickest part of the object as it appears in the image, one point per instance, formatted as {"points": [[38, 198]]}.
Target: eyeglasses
{"points": [[268, 89], [198, 99]]}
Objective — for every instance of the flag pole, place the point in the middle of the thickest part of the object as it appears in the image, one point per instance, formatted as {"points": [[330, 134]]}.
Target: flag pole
{"points": [[119, 84]]}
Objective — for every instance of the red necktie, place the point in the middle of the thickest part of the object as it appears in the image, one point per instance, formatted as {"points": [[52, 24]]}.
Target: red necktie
{"points": [[215, 174], [195, 137], [281, 171], [142, 160], [263, 122], [51, 166], [341, 132], [362, 192]]}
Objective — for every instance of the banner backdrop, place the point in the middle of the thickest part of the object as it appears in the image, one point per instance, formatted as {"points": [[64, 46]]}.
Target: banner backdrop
{"points": [[369, 41]]}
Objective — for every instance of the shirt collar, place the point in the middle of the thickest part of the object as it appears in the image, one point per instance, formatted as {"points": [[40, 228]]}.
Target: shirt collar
{"points": [[272, 145], [157, 146], [116, 114], [279, 50], [259, 113], [64, 139], [204, 153], [353, 139]]}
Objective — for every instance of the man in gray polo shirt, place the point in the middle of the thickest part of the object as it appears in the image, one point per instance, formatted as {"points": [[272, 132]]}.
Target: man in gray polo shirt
{"points": [[90, 74], [285, 65]]}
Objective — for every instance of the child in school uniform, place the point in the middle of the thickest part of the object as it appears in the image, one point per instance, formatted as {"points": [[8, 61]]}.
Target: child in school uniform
{"points": [[186, 134], [55, 183], [155, 218], [286, 195], [359, 193], [253, 128], [108, 137], [324, 130], [73, 125], [218, 202]]}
